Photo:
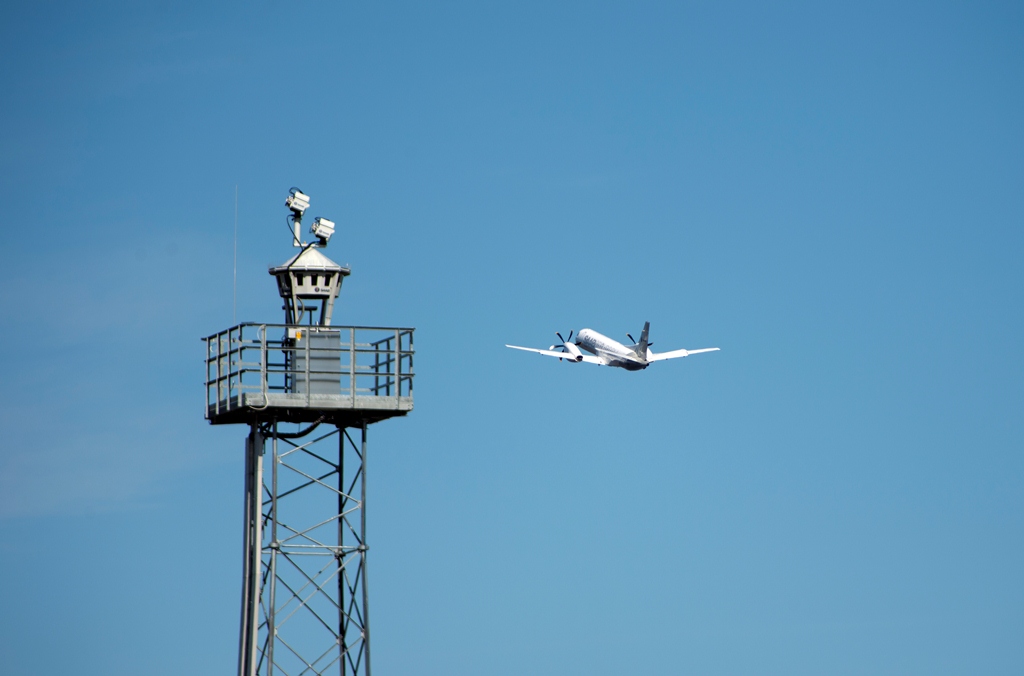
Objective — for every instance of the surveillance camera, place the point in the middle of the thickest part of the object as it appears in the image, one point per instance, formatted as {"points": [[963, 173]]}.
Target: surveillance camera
{"points": [[323, 229], [297, 202]]}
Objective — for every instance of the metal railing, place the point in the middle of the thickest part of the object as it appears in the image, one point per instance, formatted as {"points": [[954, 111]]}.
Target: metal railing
{"points": [[253, 365]]}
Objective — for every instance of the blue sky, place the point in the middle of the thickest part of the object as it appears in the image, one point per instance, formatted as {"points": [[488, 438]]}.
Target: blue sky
{"points": [[831, 194]]}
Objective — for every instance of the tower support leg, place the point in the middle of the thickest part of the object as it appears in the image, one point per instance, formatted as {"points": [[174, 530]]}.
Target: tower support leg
{"points": [[251, 551]]}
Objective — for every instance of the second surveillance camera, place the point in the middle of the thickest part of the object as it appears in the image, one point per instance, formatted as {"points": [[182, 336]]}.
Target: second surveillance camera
{"points": [[322, 229]]}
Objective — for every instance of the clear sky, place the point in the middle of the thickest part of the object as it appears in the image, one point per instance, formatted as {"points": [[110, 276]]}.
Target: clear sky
{"points": [[830, 193]]}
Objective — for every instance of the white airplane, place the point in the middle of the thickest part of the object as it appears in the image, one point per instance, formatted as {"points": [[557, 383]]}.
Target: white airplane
{"points": [[607, 352]]}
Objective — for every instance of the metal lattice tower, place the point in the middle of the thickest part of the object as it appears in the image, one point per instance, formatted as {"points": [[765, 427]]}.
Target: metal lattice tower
{"points": [[308, 393]]}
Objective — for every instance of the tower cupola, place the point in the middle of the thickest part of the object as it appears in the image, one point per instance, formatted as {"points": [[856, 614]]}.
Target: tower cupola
{"points": [[309, 283]]}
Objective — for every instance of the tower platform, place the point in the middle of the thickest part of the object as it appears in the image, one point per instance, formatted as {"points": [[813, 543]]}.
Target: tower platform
{"points": [[340, 375]]}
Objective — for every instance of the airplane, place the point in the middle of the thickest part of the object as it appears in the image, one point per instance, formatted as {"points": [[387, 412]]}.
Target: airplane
{"points": [[607, 352]]}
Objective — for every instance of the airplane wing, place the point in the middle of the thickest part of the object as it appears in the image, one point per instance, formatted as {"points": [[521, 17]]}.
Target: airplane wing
{"points": [[561, 355], [652, 356]]}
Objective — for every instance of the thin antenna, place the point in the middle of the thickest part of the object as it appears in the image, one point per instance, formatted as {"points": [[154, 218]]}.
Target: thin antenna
{"points": [[234, 268]]}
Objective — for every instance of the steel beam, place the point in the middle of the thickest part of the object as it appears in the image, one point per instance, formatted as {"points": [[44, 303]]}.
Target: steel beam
{"points": [[304, 597]]}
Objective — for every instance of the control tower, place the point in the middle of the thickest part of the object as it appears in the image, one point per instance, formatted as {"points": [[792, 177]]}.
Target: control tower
{"points": [[307, 390]]}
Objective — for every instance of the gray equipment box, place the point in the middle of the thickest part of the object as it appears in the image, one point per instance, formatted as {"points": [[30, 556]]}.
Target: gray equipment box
{"points": [[323, 348]]}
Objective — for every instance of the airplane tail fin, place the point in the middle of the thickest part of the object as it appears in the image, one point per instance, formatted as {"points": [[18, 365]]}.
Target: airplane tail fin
{"points": [[641, 347]]}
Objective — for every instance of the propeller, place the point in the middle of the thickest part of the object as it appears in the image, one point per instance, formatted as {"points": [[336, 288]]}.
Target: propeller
{"points": [[649, 343], [561, 344]]}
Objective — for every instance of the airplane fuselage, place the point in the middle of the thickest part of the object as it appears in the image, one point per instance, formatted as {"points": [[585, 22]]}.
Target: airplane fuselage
{"points": [[611, 351]]}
